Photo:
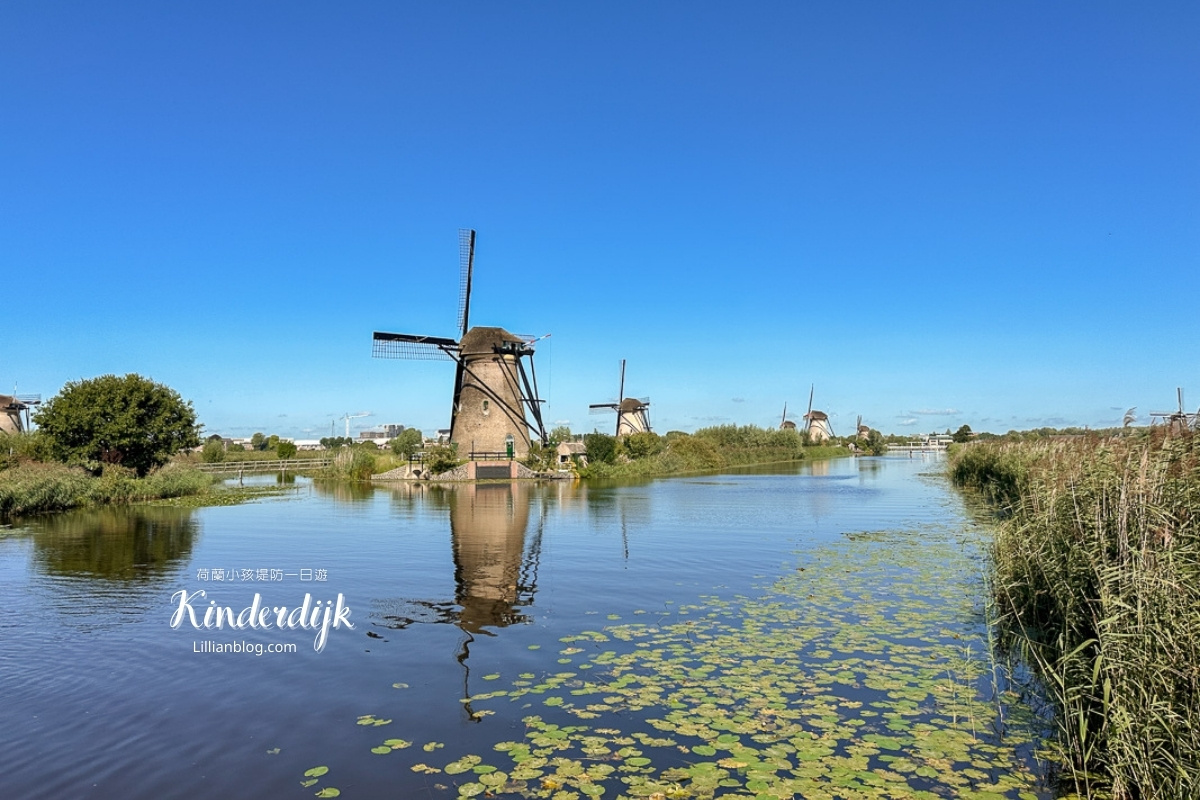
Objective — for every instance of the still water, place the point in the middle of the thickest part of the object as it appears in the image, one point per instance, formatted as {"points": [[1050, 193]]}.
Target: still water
{"points": [[814, 630]]}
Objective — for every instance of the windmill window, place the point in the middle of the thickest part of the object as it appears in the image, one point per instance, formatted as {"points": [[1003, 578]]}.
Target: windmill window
{"points": [[485, 406]]}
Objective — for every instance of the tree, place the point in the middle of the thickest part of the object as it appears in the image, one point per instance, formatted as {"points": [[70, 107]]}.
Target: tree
{"points": [[874, 443], [642, 444], [560, 434], [961, 435], [601, 448], [258, 442], [130, 420], [285, 449], [408, 442], [272, 442]]}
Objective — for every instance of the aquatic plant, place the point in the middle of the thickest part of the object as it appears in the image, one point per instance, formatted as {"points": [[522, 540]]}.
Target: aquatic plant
{"points": [[861, 673], [1097, 581]]}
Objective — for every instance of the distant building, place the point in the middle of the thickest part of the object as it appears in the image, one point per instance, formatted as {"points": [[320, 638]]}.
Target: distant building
{"points": [[385, 432], [10, 411], [568, 451]]}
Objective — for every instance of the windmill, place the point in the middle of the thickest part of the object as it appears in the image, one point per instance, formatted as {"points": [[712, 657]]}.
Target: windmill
{"points": [[493, 392], [1177, 421], [11, 406], [632, 416], [816, 422], [786, 424], [863, 431]]}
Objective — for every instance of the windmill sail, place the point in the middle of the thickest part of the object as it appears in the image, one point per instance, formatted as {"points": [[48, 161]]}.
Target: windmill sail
{"points": [[466, 260], [413, 347]]}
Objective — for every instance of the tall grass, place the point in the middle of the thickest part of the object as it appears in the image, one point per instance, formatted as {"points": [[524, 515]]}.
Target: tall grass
{"points": [[1097, 582], [359, 464], [32, 487]]}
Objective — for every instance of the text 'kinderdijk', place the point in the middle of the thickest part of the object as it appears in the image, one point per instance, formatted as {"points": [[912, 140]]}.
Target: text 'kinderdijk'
{"points": [[309, 616]]}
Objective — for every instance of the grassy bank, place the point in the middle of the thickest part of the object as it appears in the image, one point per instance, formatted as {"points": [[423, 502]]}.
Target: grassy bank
{"points": [[1097, 583], [359, 464], [710, 449], [31, 488]]}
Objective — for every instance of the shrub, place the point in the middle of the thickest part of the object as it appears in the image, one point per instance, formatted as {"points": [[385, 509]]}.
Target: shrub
{"points": [[213, 452], [439, 459]]}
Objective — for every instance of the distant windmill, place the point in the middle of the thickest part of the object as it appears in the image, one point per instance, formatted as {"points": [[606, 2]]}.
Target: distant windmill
{"points": [[786, 424], [493, 393], [817, 422], [632, 414], [350, 416], [11, 406], [1177, 421], [864, 431]]}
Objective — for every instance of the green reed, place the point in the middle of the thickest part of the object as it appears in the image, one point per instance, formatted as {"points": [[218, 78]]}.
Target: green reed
{"points": [[32, 487], [1097, 583]]}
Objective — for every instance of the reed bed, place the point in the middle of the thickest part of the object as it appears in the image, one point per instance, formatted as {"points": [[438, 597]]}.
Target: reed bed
{"points": [[1097, 584], [32, 487]]}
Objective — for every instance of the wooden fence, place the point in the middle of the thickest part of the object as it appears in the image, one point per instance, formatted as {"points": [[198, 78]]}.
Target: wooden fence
{"points": [[274, 465]]}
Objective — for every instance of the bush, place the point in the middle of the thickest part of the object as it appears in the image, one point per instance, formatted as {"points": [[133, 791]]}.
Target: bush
{"points": [[286, 450], [540, 459], [24, 446], [213, 452], [441, 459], [694, 453]]}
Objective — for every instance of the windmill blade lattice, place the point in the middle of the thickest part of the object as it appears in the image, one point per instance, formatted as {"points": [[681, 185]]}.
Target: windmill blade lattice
{"points": [[413, 348], [466, 261]]}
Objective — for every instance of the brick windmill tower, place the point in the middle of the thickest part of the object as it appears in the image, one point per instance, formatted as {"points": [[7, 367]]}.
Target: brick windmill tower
{"points": [[494, 395]]}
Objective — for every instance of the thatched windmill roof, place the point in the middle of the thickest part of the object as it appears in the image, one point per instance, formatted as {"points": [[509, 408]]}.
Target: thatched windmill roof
{"points": [[480, 341], [632, 404]]}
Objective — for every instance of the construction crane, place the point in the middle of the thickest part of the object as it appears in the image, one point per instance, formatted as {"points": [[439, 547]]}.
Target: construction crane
{"points": [[350, 416]]}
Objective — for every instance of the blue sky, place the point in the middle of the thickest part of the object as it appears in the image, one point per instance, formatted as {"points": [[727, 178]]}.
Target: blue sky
{"points": [[937, 213]]}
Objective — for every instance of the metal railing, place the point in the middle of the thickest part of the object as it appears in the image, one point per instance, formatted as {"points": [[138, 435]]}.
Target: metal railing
{"points": [[483, 455]]}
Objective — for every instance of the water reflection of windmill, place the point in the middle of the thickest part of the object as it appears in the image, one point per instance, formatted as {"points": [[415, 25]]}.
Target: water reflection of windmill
{"points": [[495, 568], [633, 415], [493, 392]]}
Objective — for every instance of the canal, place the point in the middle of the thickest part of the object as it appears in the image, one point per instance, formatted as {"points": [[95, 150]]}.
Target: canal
{"points": [[815, 630]]}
